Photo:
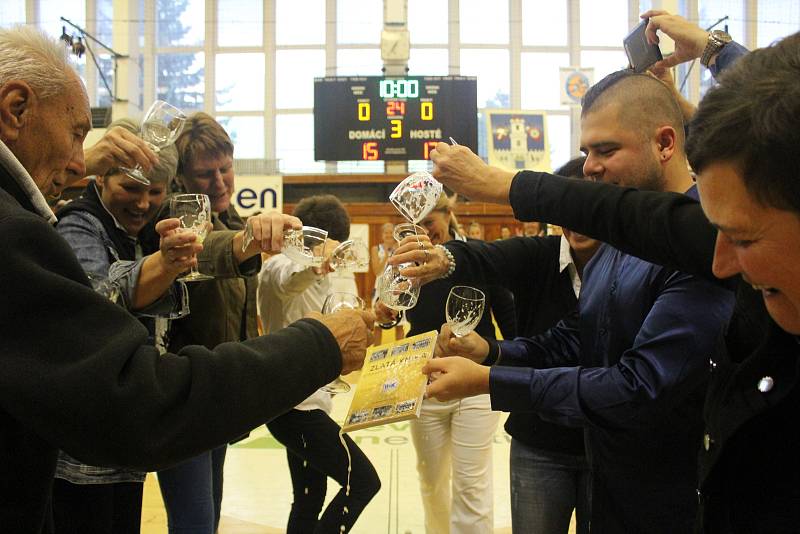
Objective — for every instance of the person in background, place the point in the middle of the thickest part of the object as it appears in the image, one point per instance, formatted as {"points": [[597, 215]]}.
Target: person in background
{"points": [[453, 439], [475, 230], [505, 232], [287, 291], [534, 229], [79, 373], [106, 227]]}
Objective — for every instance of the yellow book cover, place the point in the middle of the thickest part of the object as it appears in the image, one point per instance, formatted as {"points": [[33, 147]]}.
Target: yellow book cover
{"points": [[391, 385]]}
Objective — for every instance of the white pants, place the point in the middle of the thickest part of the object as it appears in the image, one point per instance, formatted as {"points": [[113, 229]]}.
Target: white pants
{"points": [[449, 437]]}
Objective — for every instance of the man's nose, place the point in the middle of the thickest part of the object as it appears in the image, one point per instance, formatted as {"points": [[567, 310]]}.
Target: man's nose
{"points": [[592, 168], [726, 263]]}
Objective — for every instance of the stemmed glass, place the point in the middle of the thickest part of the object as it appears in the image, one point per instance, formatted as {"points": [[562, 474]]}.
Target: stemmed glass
{"points": [[416, 196], [333, 303], [305, 246], [404, 230], [350, 255], [397, 291], [161, 125], [464, 309], [194, 212]]}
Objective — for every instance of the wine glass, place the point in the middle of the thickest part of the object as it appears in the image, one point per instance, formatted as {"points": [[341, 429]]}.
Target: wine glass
{"points": [[161, 125], [334, 302], [404, 230], [194, 212], [416, 196], [305, 246], [464, 309], [397, 291], [351, 254]]}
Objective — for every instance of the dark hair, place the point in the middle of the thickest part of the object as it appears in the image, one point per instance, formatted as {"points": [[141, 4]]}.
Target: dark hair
{"points": [[573, 168], [648, 104], [326, 212], [751, 120]]}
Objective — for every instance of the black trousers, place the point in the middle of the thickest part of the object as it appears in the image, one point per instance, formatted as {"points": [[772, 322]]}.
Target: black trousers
{"points": [[97, 508], [314, 452]]}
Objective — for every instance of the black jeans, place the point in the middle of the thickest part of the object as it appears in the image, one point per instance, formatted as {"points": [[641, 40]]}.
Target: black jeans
{"points": [[314, 452], [97, 508]]}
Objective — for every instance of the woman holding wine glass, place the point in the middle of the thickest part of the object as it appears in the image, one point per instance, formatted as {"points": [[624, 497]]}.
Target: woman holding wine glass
{"points": [[223, 305], [110, 229], [453, 440], [287, 291]]}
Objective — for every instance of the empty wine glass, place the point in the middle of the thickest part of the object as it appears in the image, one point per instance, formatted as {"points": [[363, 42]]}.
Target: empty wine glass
{"points": [[404, 230], [416, 196], [397, 291], [333, 303], [194, 212], [161, 125], [350, 255], [305, 246], [464, 309]]}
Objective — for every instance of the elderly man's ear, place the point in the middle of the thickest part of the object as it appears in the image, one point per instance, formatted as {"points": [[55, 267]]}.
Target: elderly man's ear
{"points": [[17, 101]]}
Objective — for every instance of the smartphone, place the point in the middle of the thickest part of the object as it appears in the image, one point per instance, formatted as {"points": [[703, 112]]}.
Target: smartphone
{"points": [[641, 54]]}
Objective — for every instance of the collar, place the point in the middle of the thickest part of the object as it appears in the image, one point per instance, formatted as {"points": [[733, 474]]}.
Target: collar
{"points": [[564, 255], [116, 222], [26, 183]]}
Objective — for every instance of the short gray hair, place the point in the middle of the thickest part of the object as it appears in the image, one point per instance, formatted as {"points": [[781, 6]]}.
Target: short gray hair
{"points": [[28, 54]]}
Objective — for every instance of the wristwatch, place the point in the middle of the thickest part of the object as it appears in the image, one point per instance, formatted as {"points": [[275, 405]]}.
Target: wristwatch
{"points": [[716, 40]]}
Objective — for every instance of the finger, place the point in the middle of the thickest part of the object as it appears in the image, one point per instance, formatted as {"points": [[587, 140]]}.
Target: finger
{"points": [[277, 224], [368, 317], [135, 151], [436, 365], [653, 13], [167, 226], [668, 62], [650, 31]]}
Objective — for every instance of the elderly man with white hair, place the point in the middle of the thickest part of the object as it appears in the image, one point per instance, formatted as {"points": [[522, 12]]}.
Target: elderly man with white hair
{"points": [[111, 399]]}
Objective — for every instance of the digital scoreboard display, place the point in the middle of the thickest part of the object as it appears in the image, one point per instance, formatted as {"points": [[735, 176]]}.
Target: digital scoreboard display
{"points": [[376, 118]]}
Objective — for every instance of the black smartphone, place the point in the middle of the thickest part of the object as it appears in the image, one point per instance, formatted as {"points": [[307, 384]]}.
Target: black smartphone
{"points": [[641, 54]]}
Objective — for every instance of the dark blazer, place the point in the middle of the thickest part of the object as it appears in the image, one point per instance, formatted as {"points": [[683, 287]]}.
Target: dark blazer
{"points": [[77, 374], [749, 478]]}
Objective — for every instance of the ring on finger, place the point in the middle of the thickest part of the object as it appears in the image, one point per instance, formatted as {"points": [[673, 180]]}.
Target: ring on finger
{"points": [[426, 255]]}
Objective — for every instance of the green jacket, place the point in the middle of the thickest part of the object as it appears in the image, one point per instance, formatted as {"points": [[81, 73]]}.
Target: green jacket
{"points": [[223, 309]]}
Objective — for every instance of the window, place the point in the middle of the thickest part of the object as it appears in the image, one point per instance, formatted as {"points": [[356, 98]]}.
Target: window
{"points": [[541, 79], [294, 144], [180, 80], [427, 21], [180, 23], [295, 71], [492, 69], [603, 23], [544, 23], [358, 62], [299, 22], [358, 22], [483, 22], [247, 134], [603, 62], [428, 62], [776, 19], [561, 149], [12, 12], [234, 91], [239, 23]]}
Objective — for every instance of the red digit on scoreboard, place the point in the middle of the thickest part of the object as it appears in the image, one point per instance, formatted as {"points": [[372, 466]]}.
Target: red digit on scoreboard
{"points": [[369, 150], [426, 149], [395, 108]]}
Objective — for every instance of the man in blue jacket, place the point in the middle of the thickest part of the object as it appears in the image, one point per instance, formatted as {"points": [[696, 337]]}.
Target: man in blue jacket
{"points": [[632, 368]]}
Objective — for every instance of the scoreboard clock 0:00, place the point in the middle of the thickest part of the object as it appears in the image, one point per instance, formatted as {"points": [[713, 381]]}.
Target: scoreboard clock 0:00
{"points": [[378, 118]]}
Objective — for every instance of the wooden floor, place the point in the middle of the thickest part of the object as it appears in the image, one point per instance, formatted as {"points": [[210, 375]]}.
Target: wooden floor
{"points": [[257, 492]]}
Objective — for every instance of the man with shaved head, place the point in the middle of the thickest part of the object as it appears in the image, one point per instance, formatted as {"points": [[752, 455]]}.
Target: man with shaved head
{"points": [[631, 368]]}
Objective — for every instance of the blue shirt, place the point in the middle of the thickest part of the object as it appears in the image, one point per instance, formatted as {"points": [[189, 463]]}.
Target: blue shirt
{"points": [[631, 369]]}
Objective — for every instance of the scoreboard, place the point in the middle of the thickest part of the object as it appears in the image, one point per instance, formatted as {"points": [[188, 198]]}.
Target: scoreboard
{"points": [[378, 118]]}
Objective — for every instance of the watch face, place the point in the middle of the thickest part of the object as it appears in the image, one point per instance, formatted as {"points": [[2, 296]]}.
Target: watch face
{"points": [[721, 36]]}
